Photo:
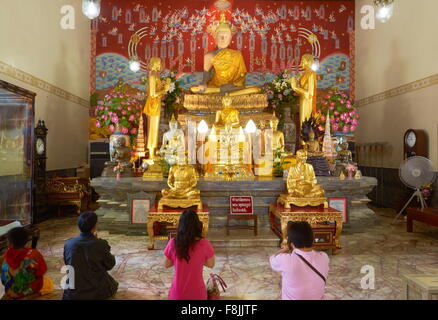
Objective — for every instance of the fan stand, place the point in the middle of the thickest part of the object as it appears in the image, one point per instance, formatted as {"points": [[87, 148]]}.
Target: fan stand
{"points": [[420, 197]]}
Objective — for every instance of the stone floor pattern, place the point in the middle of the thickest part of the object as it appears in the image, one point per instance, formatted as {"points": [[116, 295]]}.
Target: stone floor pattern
{"points": [[370, 240]]}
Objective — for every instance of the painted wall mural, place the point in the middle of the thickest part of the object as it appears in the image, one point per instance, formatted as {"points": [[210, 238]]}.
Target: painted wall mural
{"points": [[272, 36]]}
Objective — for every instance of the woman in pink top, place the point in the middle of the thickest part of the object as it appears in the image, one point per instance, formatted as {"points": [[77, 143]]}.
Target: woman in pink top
{"points": [[188, 253], [303, 270]]}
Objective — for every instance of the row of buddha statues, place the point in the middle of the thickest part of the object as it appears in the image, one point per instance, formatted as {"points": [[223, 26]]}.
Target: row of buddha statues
{"points": [[302, 187]]}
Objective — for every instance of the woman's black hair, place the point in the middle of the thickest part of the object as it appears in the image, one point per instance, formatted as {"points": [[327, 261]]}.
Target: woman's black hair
{"points": [[18, 237], [300, 234], [189, 232]]}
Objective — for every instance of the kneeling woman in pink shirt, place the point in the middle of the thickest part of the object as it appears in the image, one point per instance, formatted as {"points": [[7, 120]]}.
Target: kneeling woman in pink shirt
{"points": [[188, 252], [303, 270]]}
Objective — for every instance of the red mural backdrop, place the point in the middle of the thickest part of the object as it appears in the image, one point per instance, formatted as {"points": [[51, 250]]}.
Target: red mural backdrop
{"points": [[272, 36]]}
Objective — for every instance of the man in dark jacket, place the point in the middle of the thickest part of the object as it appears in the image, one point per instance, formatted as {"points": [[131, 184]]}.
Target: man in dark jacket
{"points": [[90, 258]]}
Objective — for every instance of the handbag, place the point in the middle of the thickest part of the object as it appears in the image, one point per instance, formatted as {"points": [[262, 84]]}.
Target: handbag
{"points": [[312, 267], [213, 291]]}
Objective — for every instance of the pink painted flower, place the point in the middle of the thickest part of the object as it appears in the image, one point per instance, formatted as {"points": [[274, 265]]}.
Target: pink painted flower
{"points": [[346, 129], [124, 112], [129, 108], [353, 128], [134, 131], [97, 124], [120, 108], [354, 122], [335, 127], [336, 113], [332, 121], [342, 101], [125, 130], [131, 117], [115, 119], [111, 127], [332, 108], [105, 117]]}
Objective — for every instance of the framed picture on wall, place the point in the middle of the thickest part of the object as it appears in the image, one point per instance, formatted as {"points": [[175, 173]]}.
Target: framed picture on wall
{"points": [[139, 205], [340, 204]]}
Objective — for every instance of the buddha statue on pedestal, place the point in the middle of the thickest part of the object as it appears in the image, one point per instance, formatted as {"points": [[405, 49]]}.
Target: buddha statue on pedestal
{"points": [[182, 192], [173, 143], [224, 68], [302, 187], [344, 161], [122, 157], [277, 136], [228, 115]]}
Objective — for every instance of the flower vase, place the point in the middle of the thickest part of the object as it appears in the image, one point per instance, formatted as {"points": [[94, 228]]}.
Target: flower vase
{"points": [[116, 135], [350, 174], [118, 175]]}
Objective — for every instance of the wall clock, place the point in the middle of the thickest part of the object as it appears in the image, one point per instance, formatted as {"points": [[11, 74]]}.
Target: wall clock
{"points": [[415, 144]]}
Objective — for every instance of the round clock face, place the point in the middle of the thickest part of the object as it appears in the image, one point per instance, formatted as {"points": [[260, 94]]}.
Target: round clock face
{"points": [[40, 146], [411, 139]]}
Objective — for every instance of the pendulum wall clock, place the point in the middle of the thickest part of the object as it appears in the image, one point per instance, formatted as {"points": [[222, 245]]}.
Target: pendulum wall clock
{"points": [[415, 144], [40, 176]]}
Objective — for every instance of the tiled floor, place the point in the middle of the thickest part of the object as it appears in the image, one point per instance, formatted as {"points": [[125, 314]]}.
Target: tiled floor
{"points": [[371, 240]]}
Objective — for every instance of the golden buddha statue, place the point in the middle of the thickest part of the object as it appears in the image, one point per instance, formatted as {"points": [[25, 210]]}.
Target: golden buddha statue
{"points": [[302, 187], [224, 68], [173, 143], [277, 136], [155, 91], [306, 89], [228, 115], [182, 192]]}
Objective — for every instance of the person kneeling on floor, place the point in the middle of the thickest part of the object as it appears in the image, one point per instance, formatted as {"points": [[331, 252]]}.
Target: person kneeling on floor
{"points": [[90, 259]]}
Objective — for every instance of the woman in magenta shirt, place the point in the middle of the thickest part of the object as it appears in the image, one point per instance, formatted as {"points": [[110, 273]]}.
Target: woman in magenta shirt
{"points": [[188, 252], [303, 270]]}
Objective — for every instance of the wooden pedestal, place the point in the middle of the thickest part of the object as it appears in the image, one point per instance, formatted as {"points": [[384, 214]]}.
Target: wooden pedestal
{"points": [[172, 216], [326, 224]]}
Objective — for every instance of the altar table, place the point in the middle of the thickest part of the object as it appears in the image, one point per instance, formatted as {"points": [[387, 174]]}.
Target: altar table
{"points": [[171, 215], [326, 224]]}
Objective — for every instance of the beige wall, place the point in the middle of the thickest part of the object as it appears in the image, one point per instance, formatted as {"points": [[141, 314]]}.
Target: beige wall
{"points": [[32, 40], [401, 51]]}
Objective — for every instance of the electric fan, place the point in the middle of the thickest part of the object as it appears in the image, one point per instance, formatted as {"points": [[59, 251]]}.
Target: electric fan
{"points": [[416, 172]]}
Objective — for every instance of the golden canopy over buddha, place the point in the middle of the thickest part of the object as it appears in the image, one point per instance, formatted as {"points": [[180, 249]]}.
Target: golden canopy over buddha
{"points": [[224, 68], [228, 115]]}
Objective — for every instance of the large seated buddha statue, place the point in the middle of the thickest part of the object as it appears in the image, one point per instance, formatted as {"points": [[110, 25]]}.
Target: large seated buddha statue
{"points": [[224, 68], [302, 187]]}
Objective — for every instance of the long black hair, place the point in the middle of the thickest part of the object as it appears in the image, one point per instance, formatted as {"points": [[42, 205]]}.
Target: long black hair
{"points": [[189, 232]]}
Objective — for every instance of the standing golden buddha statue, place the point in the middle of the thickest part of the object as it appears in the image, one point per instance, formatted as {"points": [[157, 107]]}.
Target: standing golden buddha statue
{"points": [[306, 89], [224, 68], [155, 92]]}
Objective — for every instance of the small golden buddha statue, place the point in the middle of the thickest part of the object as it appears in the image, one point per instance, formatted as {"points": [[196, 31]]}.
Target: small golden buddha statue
{"points": [[224, 68], [344, 155], [182, 192], [344, 161], [228, 115], [306, 88], [173, 143], [303, 189], [277, 136]]}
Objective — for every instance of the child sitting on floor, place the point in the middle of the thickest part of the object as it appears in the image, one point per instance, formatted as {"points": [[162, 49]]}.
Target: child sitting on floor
{"points": [[23, 268]]}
